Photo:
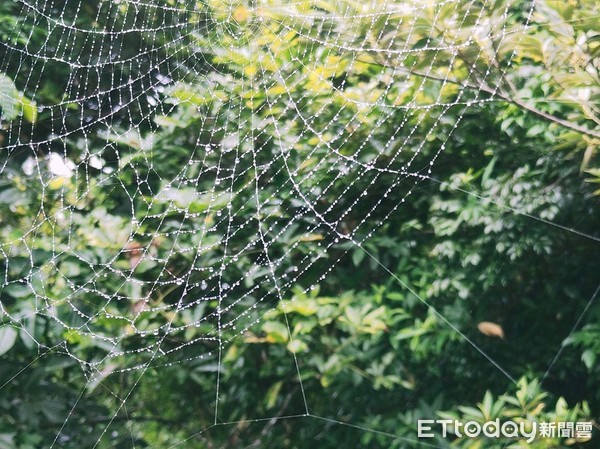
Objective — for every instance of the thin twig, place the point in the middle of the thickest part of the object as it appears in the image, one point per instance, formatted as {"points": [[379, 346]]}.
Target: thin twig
{"points": [[497, 93]]}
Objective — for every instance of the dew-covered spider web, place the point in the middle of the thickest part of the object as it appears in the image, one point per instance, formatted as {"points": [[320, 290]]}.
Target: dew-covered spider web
{"points": [[183, 172]]}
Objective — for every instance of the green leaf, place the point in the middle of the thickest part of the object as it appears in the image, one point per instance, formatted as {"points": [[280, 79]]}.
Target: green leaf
{"points": [[470, 412], [13, 103], [8, 336], [276, 332], [297, 346], [272, 394], [29, 109], [531, 47], [357, 256], [9, 98], [589, 358]]}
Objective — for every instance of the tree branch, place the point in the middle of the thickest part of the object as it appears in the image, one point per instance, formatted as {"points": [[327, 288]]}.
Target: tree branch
{"points": [[502, 95]]}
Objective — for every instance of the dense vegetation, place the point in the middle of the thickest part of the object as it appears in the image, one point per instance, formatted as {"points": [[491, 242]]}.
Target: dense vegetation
{"points": [[175, 151]]}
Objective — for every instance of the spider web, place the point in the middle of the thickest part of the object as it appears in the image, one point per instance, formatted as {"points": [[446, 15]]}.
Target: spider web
{"points": [[202, 231]]}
